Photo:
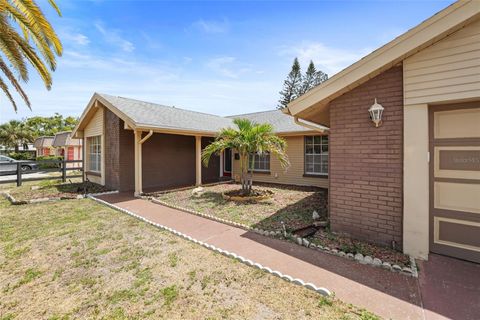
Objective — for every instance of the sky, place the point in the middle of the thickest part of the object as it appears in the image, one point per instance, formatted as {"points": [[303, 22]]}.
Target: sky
{"points": [[218, 57]]}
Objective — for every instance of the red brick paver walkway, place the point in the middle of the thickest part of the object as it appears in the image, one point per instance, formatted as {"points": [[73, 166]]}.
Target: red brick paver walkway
{"points": [[390, 295]]}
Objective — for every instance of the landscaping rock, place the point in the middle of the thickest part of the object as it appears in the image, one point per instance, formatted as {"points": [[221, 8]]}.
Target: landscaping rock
{"points": [[198, 191], [350, 256], [368, 260], [377, 262], [35, 187], [335, 251], [359, 257], [315, 215], [305, 242], [396, 267], [386, 265], [342, 254], [300, 241], [407, 270]]}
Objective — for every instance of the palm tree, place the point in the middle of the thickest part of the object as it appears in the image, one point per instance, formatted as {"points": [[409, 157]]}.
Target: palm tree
{"points": [[15, 133], [248, 139], [22, 23]]}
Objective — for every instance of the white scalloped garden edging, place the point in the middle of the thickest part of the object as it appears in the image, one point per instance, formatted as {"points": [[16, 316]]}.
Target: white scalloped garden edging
{"points": [[310, 286], [373, 261]]}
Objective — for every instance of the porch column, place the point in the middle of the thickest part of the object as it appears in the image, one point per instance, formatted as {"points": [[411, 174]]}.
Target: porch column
{"points": [[198, 160], [138, 163]]}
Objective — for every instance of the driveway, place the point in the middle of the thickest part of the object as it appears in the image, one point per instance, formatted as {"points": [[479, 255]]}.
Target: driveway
{"points": [[447, 288]]}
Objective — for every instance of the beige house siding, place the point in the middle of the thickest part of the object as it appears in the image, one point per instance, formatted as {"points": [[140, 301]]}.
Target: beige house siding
{"points": [[449, 70], [95, 127], [294, 174]]}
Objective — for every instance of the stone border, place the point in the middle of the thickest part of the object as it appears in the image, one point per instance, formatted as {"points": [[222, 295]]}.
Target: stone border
{"points": [[310, 286], [360, 258], [16, 202]]}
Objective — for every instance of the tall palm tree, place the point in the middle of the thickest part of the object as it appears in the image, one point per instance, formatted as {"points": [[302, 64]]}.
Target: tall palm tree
{"points": [[248, 139], [24, 30], [15, 133]]}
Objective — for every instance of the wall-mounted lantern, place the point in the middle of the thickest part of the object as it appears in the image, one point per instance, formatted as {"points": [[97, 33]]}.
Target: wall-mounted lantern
{"points": [[376, 111]]}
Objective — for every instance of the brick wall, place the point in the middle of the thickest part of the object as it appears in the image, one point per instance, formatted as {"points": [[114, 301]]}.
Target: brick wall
{"points": [[112, 150], [366, 163], [119, 154]]}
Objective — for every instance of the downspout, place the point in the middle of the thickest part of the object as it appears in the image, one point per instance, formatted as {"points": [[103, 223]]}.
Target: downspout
{"points": [[138, 149], [146, 137]]}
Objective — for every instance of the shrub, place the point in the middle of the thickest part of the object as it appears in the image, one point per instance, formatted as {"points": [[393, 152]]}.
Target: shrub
{"points": [[48, 162], [22, 155]]}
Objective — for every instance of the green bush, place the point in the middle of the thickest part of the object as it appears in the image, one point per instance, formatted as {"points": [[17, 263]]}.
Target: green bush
{"points": [[22, 155], [45, 164]]}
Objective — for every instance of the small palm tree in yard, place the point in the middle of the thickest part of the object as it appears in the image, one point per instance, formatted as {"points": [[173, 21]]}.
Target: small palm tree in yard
{"points": [[248, 139]]}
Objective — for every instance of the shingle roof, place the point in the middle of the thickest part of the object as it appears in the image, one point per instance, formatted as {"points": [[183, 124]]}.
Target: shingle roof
{"points": [[149, 114], [43, 142], [157, 115], [281, 122], [64, 139]]}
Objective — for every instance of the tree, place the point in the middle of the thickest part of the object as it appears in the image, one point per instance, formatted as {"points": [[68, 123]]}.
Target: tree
{"points": [[291, 86], [49, 126], [21, 23], [15, 133], [248, 139], [312, 78]]}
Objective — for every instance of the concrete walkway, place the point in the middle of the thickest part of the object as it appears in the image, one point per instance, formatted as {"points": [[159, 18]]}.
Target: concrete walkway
{"points": [[390, 295]]}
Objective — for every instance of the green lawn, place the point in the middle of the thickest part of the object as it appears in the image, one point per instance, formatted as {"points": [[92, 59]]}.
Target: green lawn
{"points": [[76, 259]]}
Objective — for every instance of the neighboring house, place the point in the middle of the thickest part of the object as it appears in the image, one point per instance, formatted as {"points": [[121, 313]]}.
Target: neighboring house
{"points": [[415, 179], [43, 145], [141, 146], [68, 148]]}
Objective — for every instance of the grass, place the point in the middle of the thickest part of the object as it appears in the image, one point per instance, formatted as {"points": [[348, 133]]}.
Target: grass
{"points": [[78, 259], [291, 205]]}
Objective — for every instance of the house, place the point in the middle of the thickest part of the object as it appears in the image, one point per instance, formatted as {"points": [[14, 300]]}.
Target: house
{"points": [[43, 146], [415, 179], [138, 146], [68, 148]]}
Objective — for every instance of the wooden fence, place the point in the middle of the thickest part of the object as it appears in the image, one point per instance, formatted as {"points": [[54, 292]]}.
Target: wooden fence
{"points": [[21, 170]]}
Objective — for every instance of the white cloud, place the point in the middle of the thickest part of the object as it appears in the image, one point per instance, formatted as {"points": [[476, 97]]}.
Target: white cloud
{"points": [[328, 59], [210, 26], [75, 38], [113, 37], [228, 67]]}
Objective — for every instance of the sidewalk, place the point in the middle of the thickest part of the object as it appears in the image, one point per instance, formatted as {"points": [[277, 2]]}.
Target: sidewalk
{"points": [[388, 294]]}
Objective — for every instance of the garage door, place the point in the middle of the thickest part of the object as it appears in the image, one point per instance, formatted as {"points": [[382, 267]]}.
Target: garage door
{"points": [[455, 181]]}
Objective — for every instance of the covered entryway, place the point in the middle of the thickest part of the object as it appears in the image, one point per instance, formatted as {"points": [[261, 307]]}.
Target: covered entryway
{"points": [[455, 180]]}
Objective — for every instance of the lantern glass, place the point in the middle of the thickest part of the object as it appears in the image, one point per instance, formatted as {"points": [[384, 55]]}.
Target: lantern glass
{"points": [[376, 112]]}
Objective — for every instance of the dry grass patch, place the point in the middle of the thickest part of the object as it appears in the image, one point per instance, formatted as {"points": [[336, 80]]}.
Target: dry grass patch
{"points": [[77, 259], [290, 204]]}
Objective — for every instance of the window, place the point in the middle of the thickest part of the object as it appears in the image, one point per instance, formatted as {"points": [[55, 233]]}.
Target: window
{"points": [[94, 153], [261, 163], [316, 155]]}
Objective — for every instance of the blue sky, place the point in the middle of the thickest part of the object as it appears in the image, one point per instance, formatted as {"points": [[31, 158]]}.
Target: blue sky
{"points": [[220, 57]]}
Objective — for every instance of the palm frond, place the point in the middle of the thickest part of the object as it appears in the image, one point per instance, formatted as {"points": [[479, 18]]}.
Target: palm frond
{"points": [[4, 88], [8, 73], [10, 48]]}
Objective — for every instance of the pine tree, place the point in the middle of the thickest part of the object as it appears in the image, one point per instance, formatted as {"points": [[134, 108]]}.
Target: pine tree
{"points": [[291, 86], [308, 81], [320, 77]]}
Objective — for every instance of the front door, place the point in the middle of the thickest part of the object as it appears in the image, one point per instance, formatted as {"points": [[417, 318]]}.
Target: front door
{"points": [[455, 181], [227, 162]]}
